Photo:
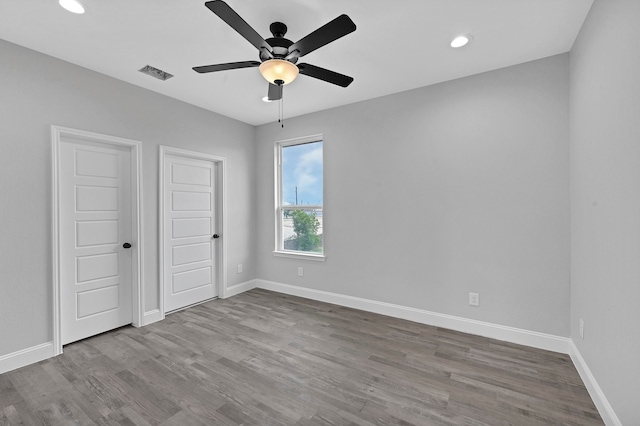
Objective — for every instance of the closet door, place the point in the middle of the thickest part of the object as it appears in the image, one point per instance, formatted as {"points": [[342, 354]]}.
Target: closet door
{"points": [[190, 239], [95, 238]]}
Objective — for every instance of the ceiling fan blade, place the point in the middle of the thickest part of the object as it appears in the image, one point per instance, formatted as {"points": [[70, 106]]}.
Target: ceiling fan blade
{"points": [[275, 92], [339, 27], [223, 67], [325, 75], [234, 20]]}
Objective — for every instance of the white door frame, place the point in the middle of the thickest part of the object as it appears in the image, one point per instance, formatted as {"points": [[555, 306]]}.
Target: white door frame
{"points": [[57, 133], [221, 215]]}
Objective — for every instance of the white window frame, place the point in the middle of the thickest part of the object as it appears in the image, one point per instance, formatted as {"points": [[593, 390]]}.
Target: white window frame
{"points": [[279, 207]]}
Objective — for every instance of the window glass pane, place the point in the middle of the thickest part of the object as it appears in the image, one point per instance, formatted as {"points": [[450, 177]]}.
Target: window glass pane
{"points": [[302, 230], [302, 174]]}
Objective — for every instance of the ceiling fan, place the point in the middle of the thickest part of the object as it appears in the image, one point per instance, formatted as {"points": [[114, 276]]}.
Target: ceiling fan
{"points": [[278, 55]]}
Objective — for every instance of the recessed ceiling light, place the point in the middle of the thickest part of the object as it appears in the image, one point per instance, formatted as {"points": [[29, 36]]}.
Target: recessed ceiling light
{"points": [[266, 99], [73, 6], [460, 41]]}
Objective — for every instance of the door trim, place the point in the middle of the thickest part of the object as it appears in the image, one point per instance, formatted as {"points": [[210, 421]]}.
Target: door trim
{"points": [[221, 206], [57, 133]]}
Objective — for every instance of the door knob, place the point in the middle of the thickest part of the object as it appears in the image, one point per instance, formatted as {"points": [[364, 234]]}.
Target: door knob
{"points": [[126, 245], [216, 236]]}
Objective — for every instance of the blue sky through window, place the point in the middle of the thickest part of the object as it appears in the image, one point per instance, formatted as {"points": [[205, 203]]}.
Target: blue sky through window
{"points": [[302, 169]]}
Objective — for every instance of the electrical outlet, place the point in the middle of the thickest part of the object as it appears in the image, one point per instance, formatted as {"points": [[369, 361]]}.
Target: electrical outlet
{"points": [[474, 299], [581, 328], [239, 268], [300, 271]]}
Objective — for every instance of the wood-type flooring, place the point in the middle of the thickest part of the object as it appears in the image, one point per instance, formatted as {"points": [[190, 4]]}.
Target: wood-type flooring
{"points": [[264, 358]]}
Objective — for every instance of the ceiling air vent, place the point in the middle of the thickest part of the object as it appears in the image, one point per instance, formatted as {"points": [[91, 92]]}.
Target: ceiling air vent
{"points": [[155, 72]]}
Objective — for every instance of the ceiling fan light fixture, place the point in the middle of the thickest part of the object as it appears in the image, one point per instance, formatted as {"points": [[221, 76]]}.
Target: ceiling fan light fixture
{"points": [[279, 71], [460, 41], [73, 6]]}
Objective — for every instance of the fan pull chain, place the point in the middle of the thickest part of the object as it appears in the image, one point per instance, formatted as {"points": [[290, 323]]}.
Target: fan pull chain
{"points": [[281, 112], [278, 111]]}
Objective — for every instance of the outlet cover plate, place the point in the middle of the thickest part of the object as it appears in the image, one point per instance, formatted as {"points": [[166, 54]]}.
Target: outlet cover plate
{"points": [[474, 299]]}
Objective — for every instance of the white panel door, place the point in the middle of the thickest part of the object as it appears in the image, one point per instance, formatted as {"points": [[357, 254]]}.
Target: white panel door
{"points": [[190, 268], [95, 222]]}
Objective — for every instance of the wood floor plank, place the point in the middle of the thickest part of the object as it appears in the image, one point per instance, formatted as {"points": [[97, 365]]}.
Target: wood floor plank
{"points": [[264, 358], [9, 395]]}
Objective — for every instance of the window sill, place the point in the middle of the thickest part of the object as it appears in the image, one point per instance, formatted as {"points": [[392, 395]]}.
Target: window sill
{"points": [[300, 255]]}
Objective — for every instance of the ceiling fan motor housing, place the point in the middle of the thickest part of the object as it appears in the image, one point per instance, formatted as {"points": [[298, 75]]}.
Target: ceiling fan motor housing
{"points": [[279, 44]]}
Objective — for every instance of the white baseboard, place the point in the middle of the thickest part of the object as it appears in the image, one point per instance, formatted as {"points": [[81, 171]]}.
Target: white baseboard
{"points": [[596, 393], [495, 331], [240, 288], [25, 357], [152, 316]]}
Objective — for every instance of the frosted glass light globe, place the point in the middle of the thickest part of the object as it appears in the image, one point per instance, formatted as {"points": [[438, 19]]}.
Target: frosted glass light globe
{"points": [[274, 70]]}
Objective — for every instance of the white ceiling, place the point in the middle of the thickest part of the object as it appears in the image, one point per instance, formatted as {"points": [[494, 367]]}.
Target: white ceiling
{"points": [[398, 45]]}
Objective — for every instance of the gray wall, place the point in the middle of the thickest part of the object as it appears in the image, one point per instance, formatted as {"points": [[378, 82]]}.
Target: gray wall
{"points": [[37, 91], [605, 200], [437, 192]]}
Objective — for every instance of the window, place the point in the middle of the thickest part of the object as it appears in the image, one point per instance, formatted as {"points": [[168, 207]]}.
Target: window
{"points": [[299, 198]]}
